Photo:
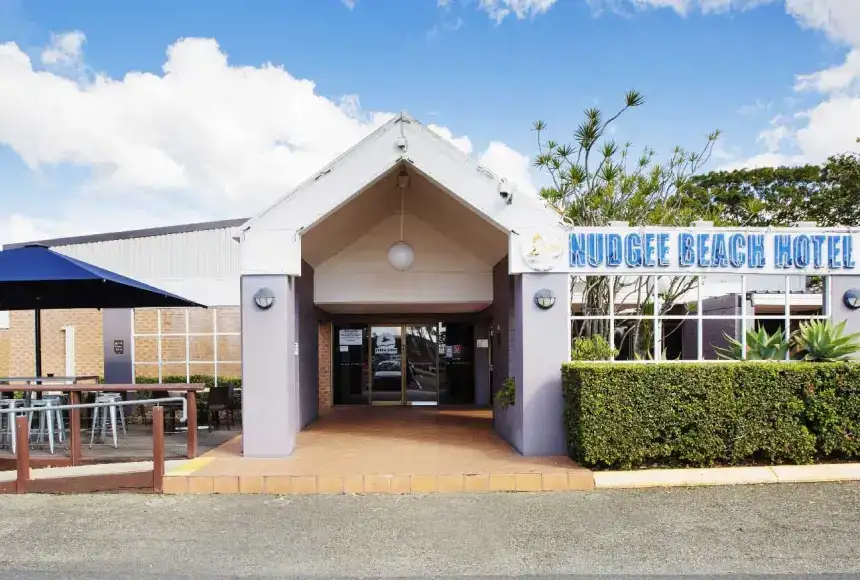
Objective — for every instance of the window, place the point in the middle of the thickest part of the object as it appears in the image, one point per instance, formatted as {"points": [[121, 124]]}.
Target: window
{"points": [[666, 318], [183, 342]]}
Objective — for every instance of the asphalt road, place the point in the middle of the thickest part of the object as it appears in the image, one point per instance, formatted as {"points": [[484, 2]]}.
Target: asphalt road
{"points": [[803, 531]]}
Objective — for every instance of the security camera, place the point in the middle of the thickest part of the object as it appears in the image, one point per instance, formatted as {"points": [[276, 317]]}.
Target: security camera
{"points": [[506, 191]]}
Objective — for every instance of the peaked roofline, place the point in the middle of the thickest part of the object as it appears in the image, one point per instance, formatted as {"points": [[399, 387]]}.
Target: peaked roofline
{"points": [[400, 119]]}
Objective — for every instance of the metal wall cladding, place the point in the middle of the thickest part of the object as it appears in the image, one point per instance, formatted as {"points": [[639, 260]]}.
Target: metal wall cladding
{"points": [[196, 254]]}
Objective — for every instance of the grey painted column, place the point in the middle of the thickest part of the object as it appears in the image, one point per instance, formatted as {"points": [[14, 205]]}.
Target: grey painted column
{"points": [[544, 347], [270, 399], [482, 364], [116, 342], [838, 286]]}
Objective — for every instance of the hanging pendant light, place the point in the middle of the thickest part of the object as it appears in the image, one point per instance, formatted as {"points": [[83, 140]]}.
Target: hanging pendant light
{"points": [[400, 254]]}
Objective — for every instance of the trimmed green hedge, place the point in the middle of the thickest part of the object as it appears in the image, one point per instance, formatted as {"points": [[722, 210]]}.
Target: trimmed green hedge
{"points": [[698, 415]]}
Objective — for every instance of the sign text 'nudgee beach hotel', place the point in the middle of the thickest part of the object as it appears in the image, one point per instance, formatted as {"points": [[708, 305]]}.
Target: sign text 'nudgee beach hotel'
{"points": [[405, 273]]}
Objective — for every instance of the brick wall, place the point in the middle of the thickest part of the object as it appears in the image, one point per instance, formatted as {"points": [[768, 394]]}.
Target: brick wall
{"points": [[325, 363], [17, 344], [89, 355], [4, 352]]}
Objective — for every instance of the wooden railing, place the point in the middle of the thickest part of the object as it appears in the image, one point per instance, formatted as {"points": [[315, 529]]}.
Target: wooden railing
{"points": [[75, 391], [80, 483]]}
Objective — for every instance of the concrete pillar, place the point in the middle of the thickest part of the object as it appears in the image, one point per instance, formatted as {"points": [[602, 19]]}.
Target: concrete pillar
{"points": [[482, 363], [838, 286], [543, 343], [270, 399], [116, 342]]}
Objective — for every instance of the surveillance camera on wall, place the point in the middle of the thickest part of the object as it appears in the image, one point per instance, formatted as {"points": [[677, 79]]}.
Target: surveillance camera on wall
{"points": [[506, 191]]}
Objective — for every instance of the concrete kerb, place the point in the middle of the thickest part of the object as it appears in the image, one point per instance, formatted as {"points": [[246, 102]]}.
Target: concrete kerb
{"points": [[726, 476]]}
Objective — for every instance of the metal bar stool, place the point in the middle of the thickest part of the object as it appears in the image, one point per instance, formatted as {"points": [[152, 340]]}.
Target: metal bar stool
{"points": [[7, 434]]}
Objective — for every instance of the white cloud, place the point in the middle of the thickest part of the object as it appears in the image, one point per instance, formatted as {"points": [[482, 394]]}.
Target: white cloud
{"points": [[809, 135], [204, 138], [498, 10], [349, 3], [65, 49], [516, 167]]}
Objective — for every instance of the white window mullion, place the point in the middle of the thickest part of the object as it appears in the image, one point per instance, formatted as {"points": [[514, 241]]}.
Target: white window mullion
{"points": [[658, 338], [699, 320], [743, 317], [158, 345], [215, 343], [187, 347], [787, 312], [131, 346], [612, 317]]}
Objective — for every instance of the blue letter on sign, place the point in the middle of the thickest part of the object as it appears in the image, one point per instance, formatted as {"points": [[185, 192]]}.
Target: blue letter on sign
{"points": [[782, 251], [633, 250], [801, 251], [614, 250], [703, 251], [686, 255], [721, 258], [737, 243], [663, 250], [817, 250], [595, 250], [833, 260], [756, 251], [577, 250], [649, 249], [848, 262]]}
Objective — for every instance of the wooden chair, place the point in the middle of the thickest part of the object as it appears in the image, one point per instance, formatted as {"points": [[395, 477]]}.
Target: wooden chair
{"points": [[221, 400]]}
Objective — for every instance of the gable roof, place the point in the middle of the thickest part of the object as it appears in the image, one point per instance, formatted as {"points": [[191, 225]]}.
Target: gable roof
{"points": [[403, 140]]}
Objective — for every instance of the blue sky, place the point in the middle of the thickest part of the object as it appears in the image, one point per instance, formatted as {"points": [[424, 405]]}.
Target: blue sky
{"points": [[455, 66]]}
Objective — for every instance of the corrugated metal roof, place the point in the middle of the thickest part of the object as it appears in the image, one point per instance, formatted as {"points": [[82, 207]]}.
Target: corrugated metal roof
{"points": [[130, 234]]}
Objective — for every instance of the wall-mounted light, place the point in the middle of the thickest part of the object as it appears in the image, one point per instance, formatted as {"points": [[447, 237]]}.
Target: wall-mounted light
{"points": [[851, 298], [544, 299], [264, 298]]}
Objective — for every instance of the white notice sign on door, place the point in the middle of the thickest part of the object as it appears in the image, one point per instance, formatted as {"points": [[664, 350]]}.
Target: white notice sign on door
{"points": [[349, 337]]}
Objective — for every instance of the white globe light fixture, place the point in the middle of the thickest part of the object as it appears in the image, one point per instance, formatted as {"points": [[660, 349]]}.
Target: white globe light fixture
{"points": [[400, 254]]}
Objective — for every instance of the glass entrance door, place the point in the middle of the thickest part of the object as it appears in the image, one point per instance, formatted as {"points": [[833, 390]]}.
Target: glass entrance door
{"points": [[422, 365], [404, 367], [386, 362]]}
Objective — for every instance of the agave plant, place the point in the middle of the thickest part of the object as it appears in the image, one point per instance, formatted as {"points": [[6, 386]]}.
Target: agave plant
{"points": [[760, 346], [819, 340]]}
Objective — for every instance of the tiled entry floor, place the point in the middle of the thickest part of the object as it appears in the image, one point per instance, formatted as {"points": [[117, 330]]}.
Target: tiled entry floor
{"points": [[384, 450]]}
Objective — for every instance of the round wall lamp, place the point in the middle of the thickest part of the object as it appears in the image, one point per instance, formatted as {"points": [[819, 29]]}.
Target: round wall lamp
{"points": [[544, 299], [264, 298], [851, 298]]}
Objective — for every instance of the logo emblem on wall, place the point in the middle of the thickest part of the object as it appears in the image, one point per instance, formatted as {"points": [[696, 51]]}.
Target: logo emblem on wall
{"points": [[386, 344], [541, 251]]}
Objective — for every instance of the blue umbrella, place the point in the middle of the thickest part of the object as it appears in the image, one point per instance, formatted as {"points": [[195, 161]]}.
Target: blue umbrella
{"points": [[34, 277]]}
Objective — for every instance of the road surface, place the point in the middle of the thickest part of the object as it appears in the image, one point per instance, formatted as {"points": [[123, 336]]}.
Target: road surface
{"points": [[770, 529]]}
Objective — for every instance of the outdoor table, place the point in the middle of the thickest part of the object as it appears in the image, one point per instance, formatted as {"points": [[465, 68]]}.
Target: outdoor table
{"points": [[75, 391]]}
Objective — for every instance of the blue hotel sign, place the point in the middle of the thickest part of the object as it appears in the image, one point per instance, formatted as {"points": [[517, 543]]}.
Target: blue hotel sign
{"points": [[689, 251]]}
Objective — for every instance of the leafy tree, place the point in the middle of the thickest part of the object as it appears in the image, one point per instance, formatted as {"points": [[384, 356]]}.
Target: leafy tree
{"points": [[755, 197], [778, 196], [595, 181]]}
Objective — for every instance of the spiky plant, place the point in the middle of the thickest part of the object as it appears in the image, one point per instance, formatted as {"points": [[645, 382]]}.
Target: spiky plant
{"points": [[760, 346], [820, 341]]}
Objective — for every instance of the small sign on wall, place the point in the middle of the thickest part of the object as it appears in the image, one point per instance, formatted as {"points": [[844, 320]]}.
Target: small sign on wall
{"points": [[118, 346], [483, 343], [349, 337], [344, 348]]}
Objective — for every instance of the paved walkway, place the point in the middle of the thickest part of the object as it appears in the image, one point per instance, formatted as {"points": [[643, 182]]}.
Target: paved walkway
{"points": [[384, 450]]}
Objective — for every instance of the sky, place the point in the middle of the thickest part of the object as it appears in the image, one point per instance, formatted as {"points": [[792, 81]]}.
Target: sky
{"points": [[122, 115]]}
